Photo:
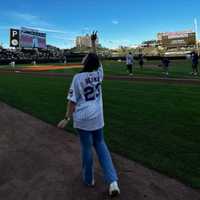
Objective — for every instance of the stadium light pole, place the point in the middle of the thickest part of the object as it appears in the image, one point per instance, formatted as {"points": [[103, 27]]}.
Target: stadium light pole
{"points": [[196, 31]]}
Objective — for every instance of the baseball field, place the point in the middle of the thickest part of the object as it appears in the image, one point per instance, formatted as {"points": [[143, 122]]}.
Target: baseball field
{"points": [[154, 123], [177, 69]]}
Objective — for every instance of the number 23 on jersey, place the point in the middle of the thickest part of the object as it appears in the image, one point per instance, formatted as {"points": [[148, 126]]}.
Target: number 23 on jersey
{"points": [[92, 92]]}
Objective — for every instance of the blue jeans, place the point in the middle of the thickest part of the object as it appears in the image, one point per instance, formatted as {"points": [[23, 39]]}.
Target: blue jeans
{"points": [[96, 139]]}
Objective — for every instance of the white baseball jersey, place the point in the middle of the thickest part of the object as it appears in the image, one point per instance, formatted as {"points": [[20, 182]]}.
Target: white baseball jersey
{"points": [[86, 92], [129, 59]]}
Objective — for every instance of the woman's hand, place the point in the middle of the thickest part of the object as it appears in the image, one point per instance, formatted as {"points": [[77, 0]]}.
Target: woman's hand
{"points": [[94, 36], [93, 39], [63, 123]]}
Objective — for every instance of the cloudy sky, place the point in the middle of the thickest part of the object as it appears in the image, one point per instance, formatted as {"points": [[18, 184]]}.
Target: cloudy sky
{"points": [[126, 22]]}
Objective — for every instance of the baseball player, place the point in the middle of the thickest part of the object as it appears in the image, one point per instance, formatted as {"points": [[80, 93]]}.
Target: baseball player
{"points": [[141, 61], [129, 63], [86, 106], [195, 62], [12, 64], [166, 63]]}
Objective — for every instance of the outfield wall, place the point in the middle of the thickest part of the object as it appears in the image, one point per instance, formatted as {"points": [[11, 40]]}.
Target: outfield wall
{"points": [[26, 61], [70, 58]]}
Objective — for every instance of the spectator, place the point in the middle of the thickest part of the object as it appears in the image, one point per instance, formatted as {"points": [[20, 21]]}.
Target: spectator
{"points": [[29, 55]]}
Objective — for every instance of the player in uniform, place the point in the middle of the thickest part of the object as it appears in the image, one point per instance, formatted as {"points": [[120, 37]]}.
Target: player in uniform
{"points": [[166, 63], [129, 63], [86, 106], [141, 61], [195, 62], [12, 63]]}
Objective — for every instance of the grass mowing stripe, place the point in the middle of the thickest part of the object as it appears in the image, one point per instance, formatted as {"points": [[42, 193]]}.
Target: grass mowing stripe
{"points": [[156, 124]]}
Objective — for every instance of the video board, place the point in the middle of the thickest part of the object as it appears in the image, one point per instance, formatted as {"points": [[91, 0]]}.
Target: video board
{"points": [[27, 38]]}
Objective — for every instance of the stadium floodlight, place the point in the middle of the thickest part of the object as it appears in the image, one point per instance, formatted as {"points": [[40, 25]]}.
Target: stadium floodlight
{"points": [[196, 31]]}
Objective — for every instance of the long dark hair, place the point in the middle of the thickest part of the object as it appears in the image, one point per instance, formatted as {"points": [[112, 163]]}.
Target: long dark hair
{"points": [[91, 62]]}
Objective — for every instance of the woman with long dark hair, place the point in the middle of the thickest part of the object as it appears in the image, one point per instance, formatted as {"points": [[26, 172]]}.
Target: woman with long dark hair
{"points": [[86, 106]]}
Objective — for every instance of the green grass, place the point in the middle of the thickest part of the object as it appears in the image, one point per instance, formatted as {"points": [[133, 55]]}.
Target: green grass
{"points": [[154, 124], [178, 69]]}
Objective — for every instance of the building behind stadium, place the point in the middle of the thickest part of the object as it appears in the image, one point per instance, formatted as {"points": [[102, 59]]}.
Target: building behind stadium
{"points": [[85, 41], [178, 39]]}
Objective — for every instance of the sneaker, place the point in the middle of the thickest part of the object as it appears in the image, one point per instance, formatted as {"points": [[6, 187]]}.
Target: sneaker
{"points": [[131, 74], [195, 74], [114, 189], [91, 184]]}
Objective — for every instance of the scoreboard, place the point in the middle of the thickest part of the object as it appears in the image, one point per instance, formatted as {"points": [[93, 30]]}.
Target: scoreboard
{"points": [[177, 39], [27, 38]]}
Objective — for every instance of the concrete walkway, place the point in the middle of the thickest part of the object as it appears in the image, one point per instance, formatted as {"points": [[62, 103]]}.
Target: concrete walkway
{"points": [[40, 162]]}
